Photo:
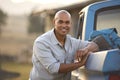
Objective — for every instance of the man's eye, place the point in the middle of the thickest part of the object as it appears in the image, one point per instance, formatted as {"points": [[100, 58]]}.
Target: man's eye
{"points": [[67, 22], [60, 22]]}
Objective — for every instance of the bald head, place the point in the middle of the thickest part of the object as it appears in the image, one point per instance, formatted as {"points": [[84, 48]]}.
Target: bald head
{"points": [[62, 23], [62, 12]]}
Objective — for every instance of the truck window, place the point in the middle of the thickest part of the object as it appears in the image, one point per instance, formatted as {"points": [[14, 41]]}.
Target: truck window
{"points": [[108, 19], [80, 26]]}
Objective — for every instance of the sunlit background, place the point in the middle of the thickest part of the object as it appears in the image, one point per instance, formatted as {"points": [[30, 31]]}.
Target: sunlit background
{"points": [[21, 21], [18, 7]]}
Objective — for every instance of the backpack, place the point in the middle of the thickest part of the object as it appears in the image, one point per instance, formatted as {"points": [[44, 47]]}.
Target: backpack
{"points": [[106, 39]]}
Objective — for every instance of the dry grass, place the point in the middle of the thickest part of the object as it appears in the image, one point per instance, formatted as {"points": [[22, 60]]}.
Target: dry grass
{"points": [[13, 45], [22, 69]]}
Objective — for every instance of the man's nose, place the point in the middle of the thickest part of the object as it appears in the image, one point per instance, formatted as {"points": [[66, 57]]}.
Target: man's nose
{"points": [[64, 24]]}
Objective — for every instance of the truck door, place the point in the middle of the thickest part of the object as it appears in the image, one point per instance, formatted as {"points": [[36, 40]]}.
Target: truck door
{"points": [[108, 18]]}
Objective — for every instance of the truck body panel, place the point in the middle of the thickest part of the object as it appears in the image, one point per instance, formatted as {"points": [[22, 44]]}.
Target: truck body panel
{"points": [[101, 65]]}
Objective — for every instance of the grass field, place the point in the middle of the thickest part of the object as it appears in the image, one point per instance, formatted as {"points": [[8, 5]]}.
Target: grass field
{"points": [[16, 45], [22, 69]]}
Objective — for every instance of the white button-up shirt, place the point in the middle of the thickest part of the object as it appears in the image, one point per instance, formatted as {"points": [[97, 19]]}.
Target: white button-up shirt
{"points": [[48, 54]]}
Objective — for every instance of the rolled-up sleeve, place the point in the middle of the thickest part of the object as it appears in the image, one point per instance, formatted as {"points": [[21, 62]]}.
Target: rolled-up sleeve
{"points": [[79, 44], [45, 57], [83, 44]]}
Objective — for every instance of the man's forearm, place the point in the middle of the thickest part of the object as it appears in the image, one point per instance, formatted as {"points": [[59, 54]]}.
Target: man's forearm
{"points": [[64, 68], [92, 47]]}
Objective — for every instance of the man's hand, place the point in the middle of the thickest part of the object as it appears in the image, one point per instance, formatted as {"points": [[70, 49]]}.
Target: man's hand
{"points": [[82, 60], [80, 54]]}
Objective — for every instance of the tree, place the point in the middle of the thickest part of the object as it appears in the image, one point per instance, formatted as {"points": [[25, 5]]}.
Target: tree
{"points": [[2, 20], [36, 24]]}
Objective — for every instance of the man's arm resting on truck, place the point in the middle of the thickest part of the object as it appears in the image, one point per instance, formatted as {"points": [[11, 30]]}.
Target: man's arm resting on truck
{"points": [[91, 47]]}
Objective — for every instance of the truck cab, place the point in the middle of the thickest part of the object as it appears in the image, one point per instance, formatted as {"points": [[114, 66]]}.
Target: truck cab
{"points": [[102, 65], [99, 15]]}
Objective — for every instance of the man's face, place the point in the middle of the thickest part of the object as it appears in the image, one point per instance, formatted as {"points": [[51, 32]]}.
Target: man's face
{"points": [[62, 24]]}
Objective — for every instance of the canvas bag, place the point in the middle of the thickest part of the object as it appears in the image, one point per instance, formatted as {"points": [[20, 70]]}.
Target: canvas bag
{"points": [[106, 38]]}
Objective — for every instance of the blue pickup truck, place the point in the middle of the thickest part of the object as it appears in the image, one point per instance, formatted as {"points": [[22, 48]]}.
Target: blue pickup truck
{"points": [[104, 64]]}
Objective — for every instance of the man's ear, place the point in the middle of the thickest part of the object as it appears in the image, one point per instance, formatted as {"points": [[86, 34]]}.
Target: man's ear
{"points": [[53, 21]]}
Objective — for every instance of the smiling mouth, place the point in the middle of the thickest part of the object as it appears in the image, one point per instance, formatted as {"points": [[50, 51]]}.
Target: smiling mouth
{"points": [[64, 29]]}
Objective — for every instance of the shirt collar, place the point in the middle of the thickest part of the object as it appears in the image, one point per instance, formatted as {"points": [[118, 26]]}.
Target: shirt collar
{"points": [[53, 37]]}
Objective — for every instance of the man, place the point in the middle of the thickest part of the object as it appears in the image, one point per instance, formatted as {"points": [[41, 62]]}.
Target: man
{"points": [[55, 51]]}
